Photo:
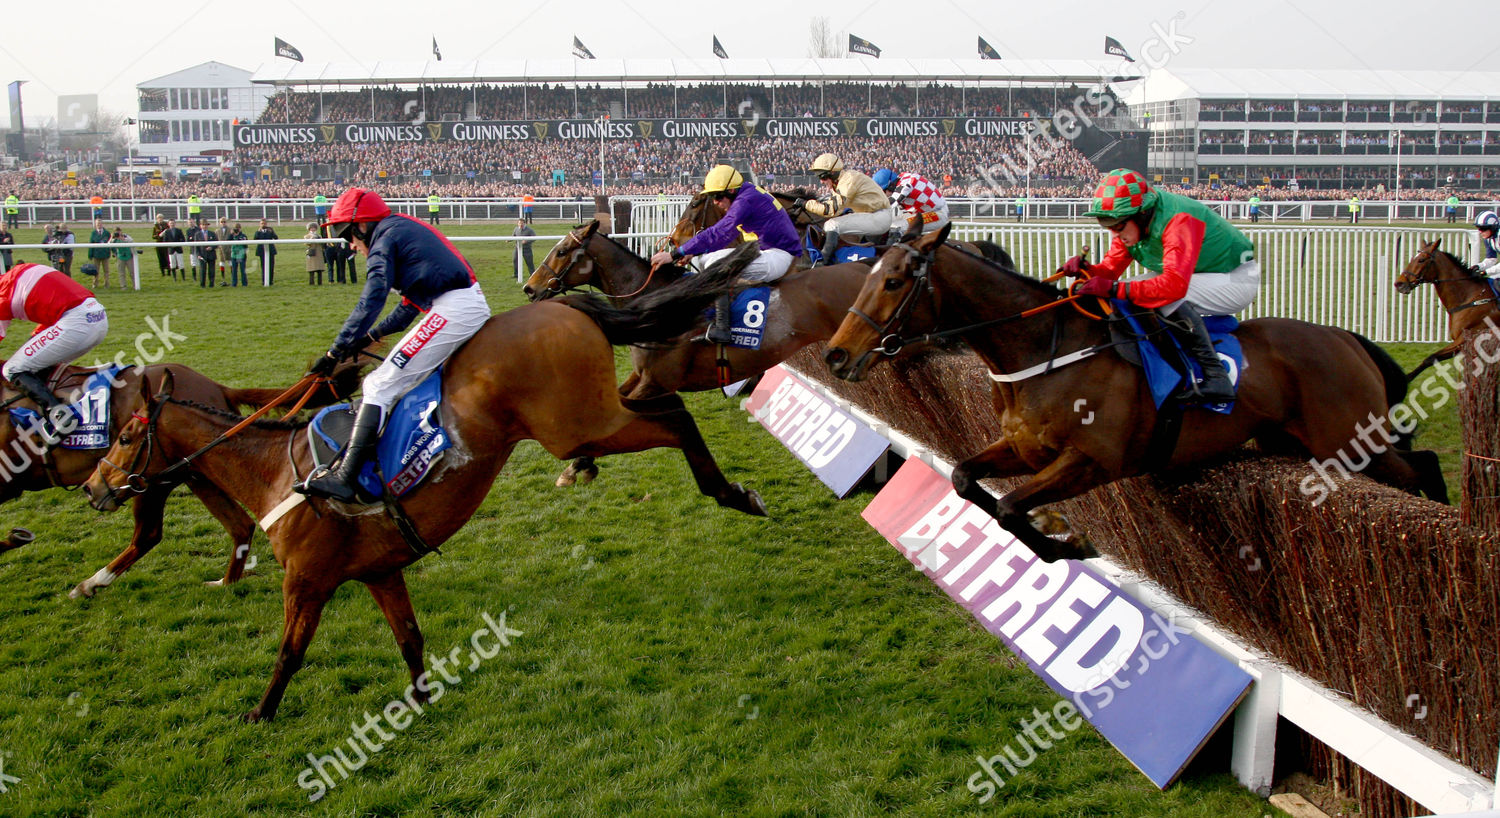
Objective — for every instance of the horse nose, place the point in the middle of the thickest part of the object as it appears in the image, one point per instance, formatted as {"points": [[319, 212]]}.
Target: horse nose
{"points": [[836, 357], [530, 293]]}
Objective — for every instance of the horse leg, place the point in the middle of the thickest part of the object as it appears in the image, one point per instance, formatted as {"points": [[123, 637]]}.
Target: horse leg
{"points": [[390, 594], [240, 526], [302, 606], [1069, 475], [148, 510], [583, 469], [1441, 355], [665, 421], [1429, 473]]}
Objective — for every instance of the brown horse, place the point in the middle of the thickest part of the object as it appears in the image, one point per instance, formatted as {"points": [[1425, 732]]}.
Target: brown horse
{"points": [[1464, 291], [1304, 387], [806, 307], [543, 372], [28, 469]]}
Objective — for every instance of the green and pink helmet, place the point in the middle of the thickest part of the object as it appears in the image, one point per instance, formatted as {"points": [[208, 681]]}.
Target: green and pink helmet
{"points": [[1122, 193]]}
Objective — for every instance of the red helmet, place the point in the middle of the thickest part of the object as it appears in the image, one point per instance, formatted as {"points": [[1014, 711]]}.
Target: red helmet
{"points": [[355, 206]]}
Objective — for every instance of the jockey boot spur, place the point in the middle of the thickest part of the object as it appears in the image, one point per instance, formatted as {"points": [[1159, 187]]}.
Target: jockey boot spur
{"points": [[54, 411], [718, 329], [342, 481], [1187, 326]]}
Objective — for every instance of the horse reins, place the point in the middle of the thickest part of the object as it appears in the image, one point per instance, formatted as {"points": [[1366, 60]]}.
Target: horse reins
{"points": [[1480, 279]]}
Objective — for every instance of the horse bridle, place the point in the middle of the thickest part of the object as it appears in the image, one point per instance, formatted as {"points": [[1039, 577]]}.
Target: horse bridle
{"points": [[135, 482], [1424, 258], [555, 285], [891, 341]]}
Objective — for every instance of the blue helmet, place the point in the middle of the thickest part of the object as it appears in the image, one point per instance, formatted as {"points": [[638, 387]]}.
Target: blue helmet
{"points": [[884, 178], [1488, 220]]}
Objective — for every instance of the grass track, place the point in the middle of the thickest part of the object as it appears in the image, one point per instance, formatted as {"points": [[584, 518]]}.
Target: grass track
{"points": [[676, 658]]}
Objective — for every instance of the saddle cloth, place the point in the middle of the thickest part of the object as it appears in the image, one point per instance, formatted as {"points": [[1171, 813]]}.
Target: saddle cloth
{"points": [[848, 250], [413, 440], [90, 412], [1163, 360], [747, 316]]}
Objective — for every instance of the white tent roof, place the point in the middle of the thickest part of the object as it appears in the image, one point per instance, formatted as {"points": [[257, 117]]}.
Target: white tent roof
{"points": [[204, 75], [1288, 83], [793, 69]]}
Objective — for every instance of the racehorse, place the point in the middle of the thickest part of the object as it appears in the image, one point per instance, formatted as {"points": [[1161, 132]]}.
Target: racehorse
{"points": [[1304, 386], [806, 306], [543, 372], [1466, 294], [26, 469]]}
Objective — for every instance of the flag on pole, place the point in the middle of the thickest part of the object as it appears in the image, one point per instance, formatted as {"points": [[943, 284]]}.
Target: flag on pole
{"points": [[435, 51], [987, 51], [286, 49], [859, 45], [580, 50], [1112, 46], [719, 49]]}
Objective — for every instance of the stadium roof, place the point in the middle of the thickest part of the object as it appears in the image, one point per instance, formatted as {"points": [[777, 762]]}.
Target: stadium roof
{"points": [[796, 69], [1289, 83]]}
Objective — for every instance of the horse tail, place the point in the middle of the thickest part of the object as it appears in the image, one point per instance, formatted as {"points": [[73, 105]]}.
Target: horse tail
{"points": [[1394, 376], [671, 311]]}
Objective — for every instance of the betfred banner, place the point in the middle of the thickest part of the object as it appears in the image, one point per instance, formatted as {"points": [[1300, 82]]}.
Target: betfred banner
{"points": [[832, 444], [1149, 686], [362, 133]]}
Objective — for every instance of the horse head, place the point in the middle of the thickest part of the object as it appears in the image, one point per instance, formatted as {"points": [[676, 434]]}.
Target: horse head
{"points": [[121, 471], [897, 298], [698, 216], [1422, 269], [567, 267]]}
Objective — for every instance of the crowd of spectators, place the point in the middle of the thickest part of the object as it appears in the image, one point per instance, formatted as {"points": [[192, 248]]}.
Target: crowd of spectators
{"points": [[660, 101]]}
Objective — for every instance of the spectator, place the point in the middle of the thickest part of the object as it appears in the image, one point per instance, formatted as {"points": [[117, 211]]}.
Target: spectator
{"points": [[6, 239], [266, 252], [314, 255], [524, 229], [62, 255], [172, 234], [208, 255], [237, 256], [100, 255], [125, 256], [157, 229]]}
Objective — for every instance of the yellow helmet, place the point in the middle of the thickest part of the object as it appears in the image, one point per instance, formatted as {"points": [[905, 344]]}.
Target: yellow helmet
{"points": [[828, 163], [722, 179]]}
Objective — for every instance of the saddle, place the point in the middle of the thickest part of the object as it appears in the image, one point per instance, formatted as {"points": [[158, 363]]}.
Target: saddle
{"points": [[91, 409], [1137, 335], [411, 444]]}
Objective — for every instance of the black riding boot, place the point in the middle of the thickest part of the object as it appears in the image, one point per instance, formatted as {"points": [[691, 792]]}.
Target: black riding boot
{"points": [[830, 246], [1187, 326], [342, 481], [718, 330], [30, 383]]}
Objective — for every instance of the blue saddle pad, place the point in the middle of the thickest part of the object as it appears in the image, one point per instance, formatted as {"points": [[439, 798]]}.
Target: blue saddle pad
{"points": [[1164, 377], [848, 252], [409, 446], [748, 316], [90, 412]]}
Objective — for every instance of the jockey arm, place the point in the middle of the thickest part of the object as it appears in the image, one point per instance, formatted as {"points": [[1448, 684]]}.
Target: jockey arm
{"points": [[1491, 258], [1181, 242], [720, 234], [371, 301]]}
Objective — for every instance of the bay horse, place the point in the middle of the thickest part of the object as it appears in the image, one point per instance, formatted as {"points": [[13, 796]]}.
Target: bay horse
{"points": [[543, 371], [806, 306], [1464, 292], [1304, 386], [26, 468]]}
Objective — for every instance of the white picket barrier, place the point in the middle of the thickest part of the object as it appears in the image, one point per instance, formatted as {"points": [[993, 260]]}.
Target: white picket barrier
{"points": [[1343, 276]]}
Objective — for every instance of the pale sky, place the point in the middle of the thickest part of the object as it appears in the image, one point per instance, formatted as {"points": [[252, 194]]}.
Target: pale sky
{"points": [[94, 47]]}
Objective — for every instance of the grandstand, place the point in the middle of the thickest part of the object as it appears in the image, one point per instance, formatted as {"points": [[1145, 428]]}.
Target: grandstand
{"points": [[1323, 129]]}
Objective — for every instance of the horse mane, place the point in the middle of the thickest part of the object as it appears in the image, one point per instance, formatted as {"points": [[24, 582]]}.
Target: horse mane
{"points": [[1040, 287], [279, 424], [795, 193], [1473, 271]]}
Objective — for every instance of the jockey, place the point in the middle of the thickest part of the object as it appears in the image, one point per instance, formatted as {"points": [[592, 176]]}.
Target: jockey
{"points": [[1205, 266], [917, 199], [69, 323], [413, 258], [747, 212], [1488, 224], [855, 202]]}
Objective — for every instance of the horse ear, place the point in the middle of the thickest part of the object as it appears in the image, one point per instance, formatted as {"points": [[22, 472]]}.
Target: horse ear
{"points": [[164, 393], [1434, 245], [590, 229], [928, 241]]}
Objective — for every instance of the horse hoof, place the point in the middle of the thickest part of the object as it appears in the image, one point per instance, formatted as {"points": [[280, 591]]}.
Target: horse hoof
{"points": [[254, 717], [566, 479], [1085, 547], [215, 583], [746, 500], [587, 475], [81, 591], [1050, 523]]}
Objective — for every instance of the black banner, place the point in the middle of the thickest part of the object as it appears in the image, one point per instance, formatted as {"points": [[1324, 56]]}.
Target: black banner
{"points": [[859, 45], [286, 49], [719, 49], [1113, 47], [361, 133], [580, 50], [987, 51]]}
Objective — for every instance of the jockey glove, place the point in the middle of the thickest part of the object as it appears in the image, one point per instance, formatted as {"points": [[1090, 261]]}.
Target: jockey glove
{"points": [[1099, 286], [1074, 266], [323, 367]]}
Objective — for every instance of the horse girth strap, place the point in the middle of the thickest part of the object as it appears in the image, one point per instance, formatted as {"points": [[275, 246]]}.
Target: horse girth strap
{"points": [[405, 525]]}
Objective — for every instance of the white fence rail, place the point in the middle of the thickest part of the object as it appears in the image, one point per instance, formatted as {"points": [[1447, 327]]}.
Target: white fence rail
{"points": [[1343, 276]]}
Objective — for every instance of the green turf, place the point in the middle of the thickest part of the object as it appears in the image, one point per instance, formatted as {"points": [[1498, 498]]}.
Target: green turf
{"points": [[675, 658]]}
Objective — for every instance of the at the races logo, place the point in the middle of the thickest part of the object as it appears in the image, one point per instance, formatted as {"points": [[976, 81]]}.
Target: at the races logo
{"points": [[418, 340]]}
